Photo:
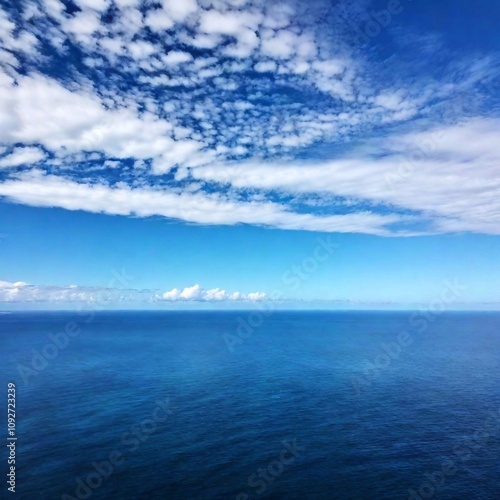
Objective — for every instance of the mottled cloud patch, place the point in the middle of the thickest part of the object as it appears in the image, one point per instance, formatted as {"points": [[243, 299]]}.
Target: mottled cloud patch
{"points": [[232, 112]]}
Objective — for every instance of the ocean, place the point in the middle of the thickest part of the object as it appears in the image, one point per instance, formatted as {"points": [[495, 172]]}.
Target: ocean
{"points": [[246, 405]]}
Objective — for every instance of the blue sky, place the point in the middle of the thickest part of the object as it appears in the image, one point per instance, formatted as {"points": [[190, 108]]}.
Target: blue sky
{"points": [[221, 154]]}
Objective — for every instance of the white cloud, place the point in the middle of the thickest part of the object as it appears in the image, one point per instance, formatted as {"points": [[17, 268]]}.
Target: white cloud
{"points": [[141, 49], [240, 25], [179, 153], [329, 67], [177, 57], [40, 190], [83, 25], [191, 116], [99, 5], [22, 41], [158, 20], [24, 292], [228, 23], [257, 296], [22, 156], [280, 45], [17, 284], [196, 293], [40, 110], [179, 11], [265, 66], [190, 293], [278, 15], [423, 172]]}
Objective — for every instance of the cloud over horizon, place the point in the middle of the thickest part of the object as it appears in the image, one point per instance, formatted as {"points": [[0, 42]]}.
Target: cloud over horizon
{"points": [[196, 293], [22, 292]]}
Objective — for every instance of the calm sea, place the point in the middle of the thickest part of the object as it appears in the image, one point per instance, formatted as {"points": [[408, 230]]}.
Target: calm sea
{"points": [[239, 405]]}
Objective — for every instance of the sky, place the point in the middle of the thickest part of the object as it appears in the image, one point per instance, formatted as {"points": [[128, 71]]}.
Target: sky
{"points": [[236, 154]]}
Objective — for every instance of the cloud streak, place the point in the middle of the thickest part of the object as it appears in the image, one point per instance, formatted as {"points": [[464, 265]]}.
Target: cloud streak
{"points": [[37, 189]]}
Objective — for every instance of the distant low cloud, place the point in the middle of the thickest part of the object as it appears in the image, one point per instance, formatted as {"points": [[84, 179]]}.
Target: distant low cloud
{"points": [[23, 292], [196, 293]]}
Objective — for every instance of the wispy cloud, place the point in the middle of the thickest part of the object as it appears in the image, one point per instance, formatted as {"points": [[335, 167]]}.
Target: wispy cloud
{"points": [[38, 189], [24, 293], [22, 156]]}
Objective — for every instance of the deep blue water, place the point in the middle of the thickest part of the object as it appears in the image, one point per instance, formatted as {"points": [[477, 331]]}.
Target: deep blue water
{"points": [[300, 381]]}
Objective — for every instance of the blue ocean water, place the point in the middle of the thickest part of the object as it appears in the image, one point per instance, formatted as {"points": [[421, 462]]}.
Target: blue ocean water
{"points": [[301, 405]]}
